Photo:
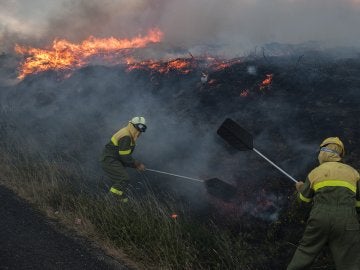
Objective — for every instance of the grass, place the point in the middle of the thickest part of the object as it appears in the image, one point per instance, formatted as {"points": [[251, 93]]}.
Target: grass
{"points": [[141, 231]]}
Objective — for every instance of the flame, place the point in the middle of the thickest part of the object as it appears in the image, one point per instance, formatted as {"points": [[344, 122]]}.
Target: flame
{"points": [[180, 65], [266, 82], [174, 216], [64, 55], [183, 66], [222, 64]]}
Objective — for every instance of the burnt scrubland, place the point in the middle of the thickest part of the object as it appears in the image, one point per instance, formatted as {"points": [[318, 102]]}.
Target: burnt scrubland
{"points": [[53, 128]]}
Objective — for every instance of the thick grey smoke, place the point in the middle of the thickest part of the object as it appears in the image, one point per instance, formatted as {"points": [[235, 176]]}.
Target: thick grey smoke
{"points": [[230, 26], [77, 116]]}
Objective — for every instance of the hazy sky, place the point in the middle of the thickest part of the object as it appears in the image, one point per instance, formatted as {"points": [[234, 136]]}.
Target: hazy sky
{"points": [[233, 23]]}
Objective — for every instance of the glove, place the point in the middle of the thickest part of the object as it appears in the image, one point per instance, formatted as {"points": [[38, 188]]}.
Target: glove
{"points": [[298, 185], [139, 166]]}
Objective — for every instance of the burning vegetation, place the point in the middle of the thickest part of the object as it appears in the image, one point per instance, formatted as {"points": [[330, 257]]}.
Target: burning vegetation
{"points": [[266, 82], [282, 100], [183, 66], [67, 56]]}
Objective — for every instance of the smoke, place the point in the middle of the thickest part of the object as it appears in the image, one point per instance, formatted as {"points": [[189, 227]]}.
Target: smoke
{"points": [[77, 116], [229, 27], [21, 21]]}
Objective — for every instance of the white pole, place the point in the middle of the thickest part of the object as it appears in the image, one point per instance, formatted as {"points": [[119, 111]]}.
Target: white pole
{"points": [[276, 166], [194, 179]]}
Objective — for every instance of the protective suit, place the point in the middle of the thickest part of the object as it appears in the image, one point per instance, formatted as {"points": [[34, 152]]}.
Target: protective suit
{"points": [[117, 155], [334, 189]]}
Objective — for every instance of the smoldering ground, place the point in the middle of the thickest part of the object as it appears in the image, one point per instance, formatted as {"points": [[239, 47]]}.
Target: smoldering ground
{"points": [[74, 117]]}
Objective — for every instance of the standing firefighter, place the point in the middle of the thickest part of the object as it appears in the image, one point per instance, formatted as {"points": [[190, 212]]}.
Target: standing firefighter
{"points": [[334, 189], [117, 155]]}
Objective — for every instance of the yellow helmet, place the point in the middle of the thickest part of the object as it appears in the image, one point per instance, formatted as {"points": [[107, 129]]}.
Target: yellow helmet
{"points": [[334, 140]]}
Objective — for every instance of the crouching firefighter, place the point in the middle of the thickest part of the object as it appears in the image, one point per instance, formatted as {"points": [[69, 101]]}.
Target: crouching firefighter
{"points": [[117, 155], [334, 189]]}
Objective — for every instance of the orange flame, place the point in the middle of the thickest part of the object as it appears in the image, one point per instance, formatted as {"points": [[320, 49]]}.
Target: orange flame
{"points": [[222, 64], [65, 55], [267, 82], [180, 65], [183, 66]]}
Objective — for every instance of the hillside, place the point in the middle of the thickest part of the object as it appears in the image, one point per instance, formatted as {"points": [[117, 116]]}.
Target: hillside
{"points": [[289, 103]]}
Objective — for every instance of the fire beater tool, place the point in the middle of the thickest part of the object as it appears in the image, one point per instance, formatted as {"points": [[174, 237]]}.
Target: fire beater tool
{"points": [[214, 186], [242, 140]]}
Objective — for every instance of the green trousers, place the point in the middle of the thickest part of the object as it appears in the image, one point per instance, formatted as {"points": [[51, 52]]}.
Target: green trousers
{"points": [[336, 226], [116, 171]]}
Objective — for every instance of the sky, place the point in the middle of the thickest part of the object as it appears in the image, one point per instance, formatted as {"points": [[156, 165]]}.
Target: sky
{"points": [[231, 24]]}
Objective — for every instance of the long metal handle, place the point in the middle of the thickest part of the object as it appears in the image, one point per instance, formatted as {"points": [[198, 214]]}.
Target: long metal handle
{"points": [[172, 174], [276, 166]]}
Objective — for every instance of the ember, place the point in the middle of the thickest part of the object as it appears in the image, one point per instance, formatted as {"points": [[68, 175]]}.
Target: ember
{"points": [[267, 82], [217, 64], [244, 93], [212, 82], [183, 66]]}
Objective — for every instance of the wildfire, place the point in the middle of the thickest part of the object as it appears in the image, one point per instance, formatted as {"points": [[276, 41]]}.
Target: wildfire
{"points": [[267, 82], [183, 66], [220, 66], [64, 55], [180, 65]]}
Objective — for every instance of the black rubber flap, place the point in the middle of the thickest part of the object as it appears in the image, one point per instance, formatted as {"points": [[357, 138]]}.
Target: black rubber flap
{"points": [[235, 135], [220, 189]]}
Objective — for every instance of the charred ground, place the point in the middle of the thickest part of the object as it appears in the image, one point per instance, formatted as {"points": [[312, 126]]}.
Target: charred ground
{"points": [[311, 96]]}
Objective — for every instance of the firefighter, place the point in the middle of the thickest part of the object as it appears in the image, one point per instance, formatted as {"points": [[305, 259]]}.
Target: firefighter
{"points": [[117, 155], [334, 190]]}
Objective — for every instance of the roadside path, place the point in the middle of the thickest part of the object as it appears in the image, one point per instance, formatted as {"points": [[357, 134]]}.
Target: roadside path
{"points": [[29, 241]]}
